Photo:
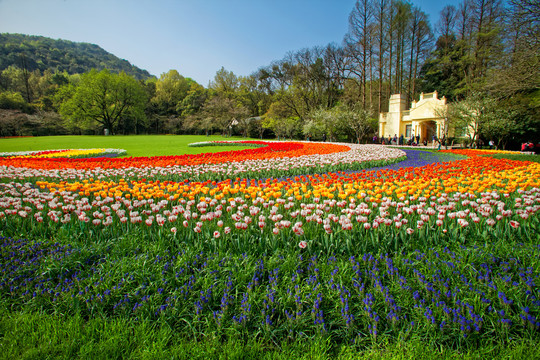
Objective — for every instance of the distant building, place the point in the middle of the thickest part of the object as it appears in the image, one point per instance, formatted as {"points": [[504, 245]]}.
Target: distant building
{"points": [[423, 118]]}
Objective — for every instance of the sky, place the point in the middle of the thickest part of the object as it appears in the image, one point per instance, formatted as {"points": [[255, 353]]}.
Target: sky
{"points": [[195, 37]]}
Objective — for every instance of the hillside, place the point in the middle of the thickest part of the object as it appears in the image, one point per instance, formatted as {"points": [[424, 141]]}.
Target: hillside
{"points": [[45, 53]]}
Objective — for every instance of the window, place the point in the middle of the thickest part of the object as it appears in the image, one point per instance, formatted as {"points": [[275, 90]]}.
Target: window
{"points": [[408, 131]]}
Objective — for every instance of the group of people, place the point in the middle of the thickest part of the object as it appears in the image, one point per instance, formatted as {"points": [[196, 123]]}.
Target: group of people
{"points": [[479, 144], [412, 141], [439, 142], [528, 146], [436, 142], [393, 140]]}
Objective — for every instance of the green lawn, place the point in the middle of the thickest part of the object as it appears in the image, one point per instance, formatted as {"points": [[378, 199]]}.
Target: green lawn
{"points": [[135, 145]]}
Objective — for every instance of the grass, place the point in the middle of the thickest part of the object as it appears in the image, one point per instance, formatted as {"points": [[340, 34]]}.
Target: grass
{"points": [[517, 156], [43, 336], [135, 145]]}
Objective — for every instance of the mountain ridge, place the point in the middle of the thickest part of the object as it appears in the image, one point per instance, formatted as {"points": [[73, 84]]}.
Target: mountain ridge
{"points": [[35, 52]]}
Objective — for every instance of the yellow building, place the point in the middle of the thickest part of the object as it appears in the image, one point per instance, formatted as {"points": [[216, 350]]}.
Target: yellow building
{"points": [[423, 118]]}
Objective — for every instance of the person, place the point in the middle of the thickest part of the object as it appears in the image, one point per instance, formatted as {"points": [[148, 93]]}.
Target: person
{"points": [[524, 147], [401, 140], [435, 140], [375, 139], [418, 139], [324, 137], [442, 142], [491, 144]]}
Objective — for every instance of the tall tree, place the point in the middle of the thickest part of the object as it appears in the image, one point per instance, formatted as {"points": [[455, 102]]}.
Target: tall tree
{"points": [[225, 83], [194, 100], [359, 43], [487, 40], [481, 116], [421, 43], [446, 27], [401, 27], [381, 45], [171, 89], [224, 112], [518, 67], [464, 21], [104, 98]]}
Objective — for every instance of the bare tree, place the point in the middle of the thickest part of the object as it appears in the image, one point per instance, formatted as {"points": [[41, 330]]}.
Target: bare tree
{"points": [[518, 68], [446, 26], [358, 43], [464, 20], [381, 44], [421, 43]]}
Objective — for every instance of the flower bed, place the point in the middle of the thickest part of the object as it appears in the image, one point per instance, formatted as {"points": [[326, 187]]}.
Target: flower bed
{"points": [[225, 143], [479, 152], [62, 153], [449, 295], [273, 160], [444, 251], [477, 195]]}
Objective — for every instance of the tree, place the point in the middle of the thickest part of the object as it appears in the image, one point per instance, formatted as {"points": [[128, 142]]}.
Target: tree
{"points": [[103, 98], [281, 120], [446, 69], [421, 44], [487, 40], [481, 116], [518, 67], [225, 83], [224, 112], [401, 28], [359, 123], [355, 122], [359, 43], [171, 89], [17, 79], [446, 27], [194, 100], [14, 101], [14, 123], [381, 45]]}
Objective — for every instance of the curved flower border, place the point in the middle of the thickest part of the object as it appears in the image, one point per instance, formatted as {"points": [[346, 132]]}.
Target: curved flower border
{"points": [[356, 157], [63, 153]]}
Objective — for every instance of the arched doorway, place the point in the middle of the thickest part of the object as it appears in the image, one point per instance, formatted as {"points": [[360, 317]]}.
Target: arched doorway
{"points": [[429, 128]]}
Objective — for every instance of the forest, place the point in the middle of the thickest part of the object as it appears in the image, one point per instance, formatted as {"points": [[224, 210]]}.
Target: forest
{"points": [[482, 55], [41, 53]]}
